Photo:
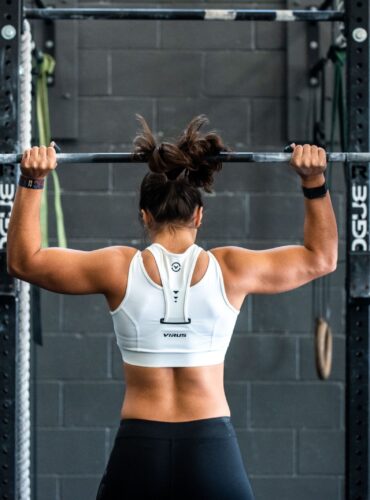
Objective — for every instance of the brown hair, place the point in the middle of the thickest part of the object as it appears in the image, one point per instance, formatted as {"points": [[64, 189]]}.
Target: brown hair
{"points": [[170, 192]]}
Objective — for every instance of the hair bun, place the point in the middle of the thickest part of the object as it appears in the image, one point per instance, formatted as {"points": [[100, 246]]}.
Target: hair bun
{"points": [[189, 153], [163, 158], [198, 147], [156, 162]]}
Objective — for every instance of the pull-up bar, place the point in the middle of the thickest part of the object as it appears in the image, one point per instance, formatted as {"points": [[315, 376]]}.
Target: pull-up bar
{"points": [[185, 14], [232, 157]]}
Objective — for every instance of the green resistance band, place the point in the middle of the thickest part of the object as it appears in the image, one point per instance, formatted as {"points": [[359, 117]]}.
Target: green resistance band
{"points": [[45, 68]]}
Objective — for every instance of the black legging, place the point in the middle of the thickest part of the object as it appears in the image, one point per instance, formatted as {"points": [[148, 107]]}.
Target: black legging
{"points": [[194, 460]]}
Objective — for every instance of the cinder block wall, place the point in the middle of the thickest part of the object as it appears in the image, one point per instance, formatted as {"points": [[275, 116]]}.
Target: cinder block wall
{"points": [[290, 424]]}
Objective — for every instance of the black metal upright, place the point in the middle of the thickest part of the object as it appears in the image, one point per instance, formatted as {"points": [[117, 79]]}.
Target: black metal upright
{"points": [[10, 32], [358, 254]]}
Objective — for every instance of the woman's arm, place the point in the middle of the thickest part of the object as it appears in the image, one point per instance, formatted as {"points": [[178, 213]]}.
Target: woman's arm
{"points": [[57, 269], [284, 268]]}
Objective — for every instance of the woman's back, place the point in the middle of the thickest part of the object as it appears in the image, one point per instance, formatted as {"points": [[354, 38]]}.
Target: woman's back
{"points": [[173, 393]]}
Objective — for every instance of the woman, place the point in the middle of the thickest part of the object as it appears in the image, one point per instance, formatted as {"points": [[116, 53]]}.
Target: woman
{"points": [[174, 307]]}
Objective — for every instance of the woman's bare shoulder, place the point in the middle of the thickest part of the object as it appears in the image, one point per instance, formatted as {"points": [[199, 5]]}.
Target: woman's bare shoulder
{"points": [[221, 253], [124, 250], [123, 256], [232, 258]]}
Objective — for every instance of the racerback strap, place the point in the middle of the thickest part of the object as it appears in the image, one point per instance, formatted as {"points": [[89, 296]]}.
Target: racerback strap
{"points": [[176, 271]]}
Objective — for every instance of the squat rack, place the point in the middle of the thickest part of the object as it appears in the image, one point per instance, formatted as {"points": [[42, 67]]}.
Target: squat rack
{"points": [[357, 23]]}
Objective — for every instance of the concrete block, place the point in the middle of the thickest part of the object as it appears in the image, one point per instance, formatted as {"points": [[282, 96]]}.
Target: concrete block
{"points": [[111, 120], [269, 35], [230, 117], [281, 217], [128, 178], [85, 487], [45, 487], [337, 180], [342, 251], [225, 216], [244, 321], [47, 403], [337, 278], [261, 358], [81, 177], [268, 121], [50, 311], [69, 451], [237, 398], [341, 488], [238, 73], [206, 35], [119, 34], [283, 312], [291, 488], [65, 357], [267, 452], [321, 452], [307, 405], [248, 177], [116, 360], [94, 404], [154, 73], [100, 216], [93, 73], [96, 319]]}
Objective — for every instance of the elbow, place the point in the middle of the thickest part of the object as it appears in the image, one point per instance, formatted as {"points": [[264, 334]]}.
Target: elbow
{"points": [[17, 266], [11, 267], [328, 266], [13, 271], [331, 269]]}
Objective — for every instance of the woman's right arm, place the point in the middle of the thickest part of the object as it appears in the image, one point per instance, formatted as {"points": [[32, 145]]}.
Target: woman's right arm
{"points": [[284, 268]]}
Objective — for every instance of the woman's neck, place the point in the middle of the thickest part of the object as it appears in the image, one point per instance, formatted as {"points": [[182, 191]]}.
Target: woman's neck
{"points": [[176, 243]]}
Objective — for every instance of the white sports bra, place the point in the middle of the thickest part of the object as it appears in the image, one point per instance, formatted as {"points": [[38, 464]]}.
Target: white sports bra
{"points": [[175, 324]]}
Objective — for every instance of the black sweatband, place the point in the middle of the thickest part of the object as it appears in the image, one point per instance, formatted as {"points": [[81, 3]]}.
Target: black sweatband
{"points": [[316, 192], [30, 182]]}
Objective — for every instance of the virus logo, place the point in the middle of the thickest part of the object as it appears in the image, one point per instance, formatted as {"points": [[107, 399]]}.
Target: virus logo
{"points": [[175, 266]]}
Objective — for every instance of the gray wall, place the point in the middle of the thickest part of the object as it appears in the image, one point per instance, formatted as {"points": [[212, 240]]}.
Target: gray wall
{"points": [[290, 424]]}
